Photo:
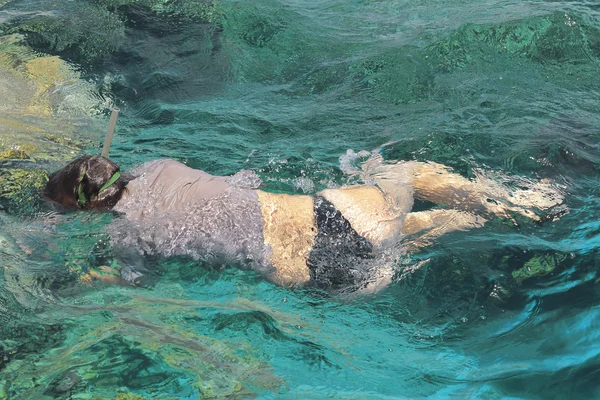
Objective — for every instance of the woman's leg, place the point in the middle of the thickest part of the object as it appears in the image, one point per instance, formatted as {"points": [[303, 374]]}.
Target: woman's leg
{"points": [[436, 183], [423, 227]]}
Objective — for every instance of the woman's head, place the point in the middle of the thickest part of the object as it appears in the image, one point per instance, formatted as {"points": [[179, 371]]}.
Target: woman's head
{"points": [[89, 182]]}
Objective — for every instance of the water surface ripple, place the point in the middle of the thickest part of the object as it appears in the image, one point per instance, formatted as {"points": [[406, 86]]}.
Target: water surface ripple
{"points": [[284, 88]]}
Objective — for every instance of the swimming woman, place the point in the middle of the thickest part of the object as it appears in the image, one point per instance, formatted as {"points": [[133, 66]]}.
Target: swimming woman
{"points": [[326, 240]]}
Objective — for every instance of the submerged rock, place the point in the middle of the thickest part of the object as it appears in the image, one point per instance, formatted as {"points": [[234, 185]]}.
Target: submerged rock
{"points": [[537, 266], [41, 97], [70, 37], [113, 351], [47, 115], [37, 85], [549, 39]]}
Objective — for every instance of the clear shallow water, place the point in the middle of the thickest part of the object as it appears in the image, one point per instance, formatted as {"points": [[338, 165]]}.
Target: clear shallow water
{"points": [[285, 88]]}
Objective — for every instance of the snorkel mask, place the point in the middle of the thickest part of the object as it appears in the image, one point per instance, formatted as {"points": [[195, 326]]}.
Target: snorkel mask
{"points": [[81, 197]]}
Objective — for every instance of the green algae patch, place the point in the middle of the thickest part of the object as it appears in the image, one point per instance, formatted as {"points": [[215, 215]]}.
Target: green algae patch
{"points": [[537, 266], [14, 154], [14, 181], [20, 189], [128, 396]]}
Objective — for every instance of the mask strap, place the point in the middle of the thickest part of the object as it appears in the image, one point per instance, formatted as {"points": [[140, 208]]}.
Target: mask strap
{"points": [[81, 199], [112, 180]]}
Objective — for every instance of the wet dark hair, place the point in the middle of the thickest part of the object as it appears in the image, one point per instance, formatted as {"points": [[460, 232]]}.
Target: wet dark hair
{"points": [[82, 184]]}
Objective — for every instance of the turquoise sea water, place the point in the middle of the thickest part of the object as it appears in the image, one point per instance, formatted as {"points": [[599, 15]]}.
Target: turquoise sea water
{"points": [[285, 88]]}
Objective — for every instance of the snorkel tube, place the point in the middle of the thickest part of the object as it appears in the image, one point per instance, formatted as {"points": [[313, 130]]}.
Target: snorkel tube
{"points": [[111, 131], [81, 197]]}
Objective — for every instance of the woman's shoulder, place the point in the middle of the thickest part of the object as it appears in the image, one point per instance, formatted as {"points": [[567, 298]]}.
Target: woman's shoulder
{"points": [[167, 169], [151, 166]]}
